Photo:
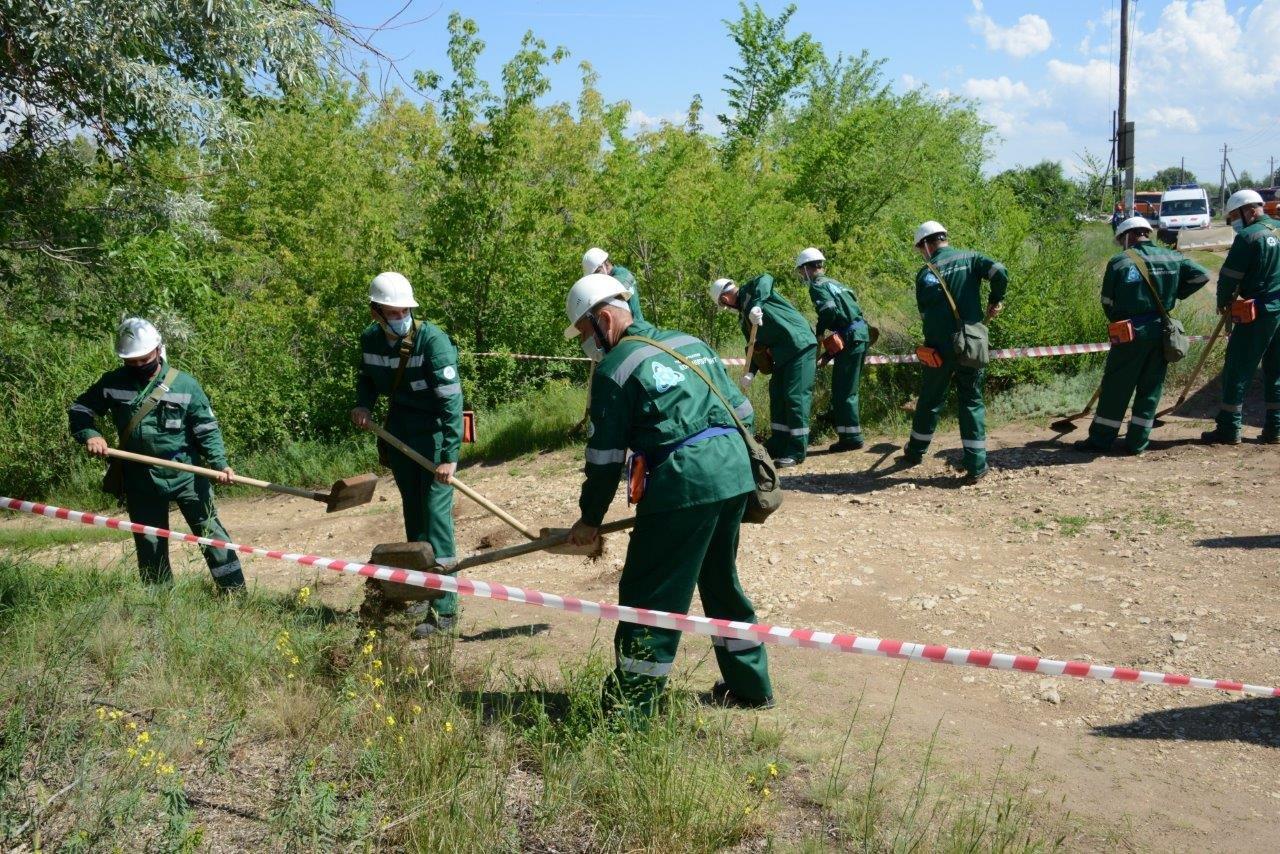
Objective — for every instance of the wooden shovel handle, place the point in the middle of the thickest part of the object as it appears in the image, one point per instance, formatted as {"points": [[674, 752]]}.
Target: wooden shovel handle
{"points": [[537, 545], [454, 482], [214, 474], [751, 348]]}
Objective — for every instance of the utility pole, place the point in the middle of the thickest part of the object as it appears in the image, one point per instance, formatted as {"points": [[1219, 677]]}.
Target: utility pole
{"points": [[1222, 180], [1271, 177], [1124, 127], [1182, 172]]}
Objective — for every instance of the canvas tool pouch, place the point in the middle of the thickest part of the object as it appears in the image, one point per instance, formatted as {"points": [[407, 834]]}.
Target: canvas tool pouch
{"points": [[762, 360], [971, 341], [929, 357], [1120, 332], [113, 478]]}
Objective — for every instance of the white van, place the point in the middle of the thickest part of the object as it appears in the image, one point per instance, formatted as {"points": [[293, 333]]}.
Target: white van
{"points": [[1184, 206]]}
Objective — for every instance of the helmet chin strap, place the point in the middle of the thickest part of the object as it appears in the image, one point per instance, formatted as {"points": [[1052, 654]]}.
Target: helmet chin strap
{"points": [[596, 329]]}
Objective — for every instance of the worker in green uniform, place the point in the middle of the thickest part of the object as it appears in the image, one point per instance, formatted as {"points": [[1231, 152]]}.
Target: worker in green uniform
{"points": [[162, 412], [1137, 369], [1251, 272], [964, 272], [839, 312], [784, 334], [596, 260], [694, 494], [415, 366]]}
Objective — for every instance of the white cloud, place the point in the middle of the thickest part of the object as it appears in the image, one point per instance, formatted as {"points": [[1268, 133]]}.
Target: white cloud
{"points": [[998, 89], [1095, 78], [1029, 36], [1171, 118], [639, 120]]}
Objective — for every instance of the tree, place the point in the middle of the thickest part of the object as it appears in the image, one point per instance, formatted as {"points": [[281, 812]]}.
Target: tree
{"points": [[1166, 178], [772, 67], [1045, 191]]}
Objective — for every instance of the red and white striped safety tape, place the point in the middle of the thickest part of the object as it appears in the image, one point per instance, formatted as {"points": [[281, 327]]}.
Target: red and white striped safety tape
{"points": [[906, 359], [810, 638]]}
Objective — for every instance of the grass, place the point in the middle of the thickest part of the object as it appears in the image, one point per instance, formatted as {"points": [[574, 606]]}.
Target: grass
{"points": [[171, 719], [31, 539]]}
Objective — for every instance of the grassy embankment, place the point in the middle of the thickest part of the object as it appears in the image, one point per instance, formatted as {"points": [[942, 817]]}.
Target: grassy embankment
{"points": [[169, 720]]}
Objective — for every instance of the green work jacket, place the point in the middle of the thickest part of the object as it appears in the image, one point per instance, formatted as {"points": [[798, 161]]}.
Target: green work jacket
{"points": [[785, 331], [643, 399], [1253, 266], [622, 274], [181, 427], [1125, 295], [964, 272], [837, 308], [426, 408]]}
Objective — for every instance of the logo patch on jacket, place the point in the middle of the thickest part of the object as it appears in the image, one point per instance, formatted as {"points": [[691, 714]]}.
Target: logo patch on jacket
{"points": [[930, 278], [664, 378], [1133, 275]]}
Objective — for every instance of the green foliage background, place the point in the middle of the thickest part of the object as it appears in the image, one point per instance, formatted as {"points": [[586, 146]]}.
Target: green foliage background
{"points": [[255, 262]]}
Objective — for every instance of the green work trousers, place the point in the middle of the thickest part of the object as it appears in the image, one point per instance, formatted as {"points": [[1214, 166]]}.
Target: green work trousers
{"points": [[1134, 370], [428, 513], [670, 554], [790, 401], [194, 498], [846, 376], [972, 414], [1249, 344]]}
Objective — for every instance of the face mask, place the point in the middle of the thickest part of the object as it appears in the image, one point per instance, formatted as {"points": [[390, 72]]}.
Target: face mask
{"points": [[401, 326], [1237, 225], [592, 349], [142, 373]]}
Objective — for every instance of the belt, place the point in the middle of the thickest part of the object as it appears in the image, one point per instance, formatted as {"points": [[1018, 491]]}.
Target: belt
{"points": [[1144, 319], [853, 327], [659, 456]]}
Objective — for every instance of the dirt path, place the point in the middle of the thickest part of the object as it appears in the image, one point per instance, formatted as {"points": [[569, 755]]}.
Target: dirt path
{"points": [[1167, 562]]}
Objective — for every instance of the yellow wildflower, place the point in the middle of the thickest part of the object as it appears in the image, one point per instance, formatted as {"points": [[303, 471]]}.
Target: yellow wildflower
{"points": [[368, 742], [294, 660], [399, 739], [131, 752], [417, 710], [448, 726], [115, 714], [144, 737], [199, 742], [377, 707], [765, 791], [746, 810], [304, 594], [773, 770], [376, 664], [132, 725], [377, 682], [751, 779], [351, 695], [372, 633], [292, 674], [164, 770], [367, 649], [102, 713], [391, 720]]}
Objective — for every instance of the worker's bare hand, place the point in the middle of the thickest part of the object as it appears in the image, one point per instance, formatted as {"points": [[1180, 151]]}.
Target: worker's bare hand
{"points": [[993, 311], [228, 475], [97, 446], [582, 534], [444, 472], [360, 417]]}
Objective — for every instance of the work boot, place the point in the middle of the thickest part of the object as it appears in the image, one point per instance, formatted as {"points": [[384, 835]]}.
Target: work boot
{"points": [[845, 445], [1214, 437], [722, 696], [908, 459], [435, 625], [785, 462], [1267, 437], [974, 477], [1086, 446]]}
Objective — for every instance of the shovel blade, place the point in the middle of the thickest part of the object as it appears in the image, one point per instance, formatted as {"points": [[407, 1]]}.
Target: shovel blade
{"points": [[351, 492], [420, 556], [592, 550]]}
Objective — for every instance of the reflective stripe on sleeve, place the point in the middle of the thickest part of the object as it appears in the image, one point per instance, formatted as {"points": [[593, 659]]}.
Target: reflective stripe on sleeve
{"points": [[80, 407], [449, 390], [207, 427], [391, 361], [1230, 274], [628, 367], [744, 409], [119, 393], [606, 457]]}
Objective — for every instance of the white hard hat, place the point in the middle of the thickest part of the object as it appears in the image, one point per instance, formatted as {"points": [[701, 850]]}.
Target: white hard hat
{"points": [[929, 229], [587, 293], [392, 290], [592, 259], [719, 287], [136, 337], [1131, 223], [808, 256], [1240, 198]]}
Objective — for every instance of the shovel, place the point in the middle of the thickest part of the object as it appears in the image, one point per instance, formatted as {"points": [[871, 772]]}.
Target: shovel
{"points": [[345, 493], [515, 523], [1068, 423], [552, 539], [1195, 375], [751, 352]]}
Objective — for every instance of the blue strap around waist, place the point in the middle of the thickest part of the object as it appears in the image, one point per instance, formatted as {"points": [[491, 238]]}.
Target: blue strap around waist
{"points": [[1144, 319], [659, 456], [849, 330]]}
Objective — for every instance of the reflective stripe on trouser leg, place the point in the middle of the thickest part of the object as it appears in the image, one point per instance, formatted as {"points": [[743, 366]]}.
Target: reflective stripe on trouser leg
{"points": [[669, 555], [428, 514], [972, 417], [933, 393], [846, 378], [1249, 345], [1146, 397], [790, 399]]}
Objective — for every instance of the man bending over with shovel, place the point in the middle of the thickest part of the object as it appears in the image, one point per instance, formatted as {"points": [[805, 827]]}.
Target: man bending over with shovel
{"points": [[162, 412], [415, 365], [689, 479]]}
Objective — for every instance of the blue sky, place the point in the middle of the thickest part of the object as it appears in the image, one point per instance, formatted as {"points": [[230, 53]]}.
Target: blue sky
{"points": [[1043, 73]]}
